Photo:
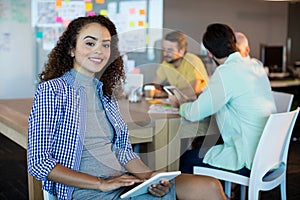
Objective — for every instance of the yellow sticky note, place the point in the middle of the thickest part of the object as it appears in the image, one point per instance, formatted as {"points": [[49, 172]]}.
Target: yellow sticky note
{"points": [[88, 6], [146, 25], [132, 24], [67, 1], [147, 39], [103, 12], [100, 1], [58, 3]]}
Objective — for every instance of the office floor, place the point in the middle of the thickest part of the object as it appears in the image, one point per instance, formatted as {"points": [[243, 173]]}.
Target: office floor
{"points": [[13, 173]]}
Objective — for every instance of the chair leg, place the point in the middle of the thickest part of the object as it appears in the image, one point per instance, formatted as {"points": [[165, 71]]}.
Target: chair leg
{"points": [[227, 188], [253, 193], [45, 195], [243, 192], [283, 189]]}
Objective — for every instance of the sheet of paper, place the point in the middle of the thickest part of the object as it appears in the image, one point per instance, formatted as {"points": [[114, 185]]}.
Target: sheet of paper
{"points": [[165, 109]]}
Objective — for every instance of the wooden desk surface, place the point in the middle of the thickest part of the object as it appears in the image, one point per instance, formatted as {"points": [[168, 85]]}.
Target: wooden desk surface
{"points": [[14, 119], [14, 115], [160, 131], [15, 112], [284, 83]]}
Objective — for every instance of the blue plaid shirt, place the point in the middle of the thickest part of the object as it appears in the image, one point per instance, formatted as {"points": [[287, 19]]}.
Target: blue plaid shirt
{"points": [[56, 130]]}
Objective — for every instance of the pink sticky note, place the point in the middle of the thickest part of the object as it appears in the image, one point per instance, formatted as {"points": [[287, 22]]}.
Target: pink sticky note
{"points": [[131, 11], [58, 19], [65, 23], [136, 70], [91, 13]]}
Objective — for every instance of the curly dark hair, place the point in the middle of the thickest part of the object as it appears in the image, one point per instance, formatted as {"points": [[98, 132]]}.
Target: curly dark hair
{"points": [[60, 60]]}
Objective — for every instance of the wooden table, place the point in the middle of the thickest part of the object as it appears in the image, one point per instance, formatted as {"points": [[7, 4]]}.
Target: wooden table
{"points": [[14, 125], [285, 83], [142, 129], [161, 132], [137, 118]]}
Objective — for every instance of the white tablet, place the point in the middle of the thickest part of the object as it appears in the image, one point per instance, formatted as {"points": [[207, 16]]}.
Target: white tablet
{"points": [[143, 187], [170, 90]]}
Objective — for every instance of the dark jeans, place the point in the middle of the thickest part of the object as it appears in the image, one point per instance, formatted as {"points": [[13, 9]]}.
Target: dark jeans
{"points": [[194, 157]]}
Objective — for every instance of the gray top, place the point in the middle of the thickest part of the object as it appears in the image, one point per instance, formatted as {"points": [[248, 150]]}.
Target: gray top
{"points": [[97, 158]]}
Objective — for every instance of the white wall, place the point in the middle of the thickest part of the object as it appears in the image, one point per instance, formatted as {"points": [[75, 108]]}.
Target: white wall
{"points": [[16, 50], [262, 22]]}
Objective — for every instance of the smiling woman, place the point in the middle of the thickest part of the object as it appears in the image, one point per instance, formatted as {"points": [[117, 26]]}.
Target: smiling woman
{"points": [[92, 50], [78, 142], [99, 42]]}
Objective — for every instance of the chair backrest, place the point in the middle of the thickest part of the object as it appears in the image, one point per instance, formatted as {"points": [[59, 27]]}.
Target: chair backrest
{"points": [[273, 146], [283, 101]]}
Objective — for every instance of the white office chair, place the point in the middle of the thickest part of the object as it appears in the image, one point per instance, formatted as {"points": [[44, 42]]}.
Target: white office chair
{"points": [[283, 101], [46, 195], [272, 151]]}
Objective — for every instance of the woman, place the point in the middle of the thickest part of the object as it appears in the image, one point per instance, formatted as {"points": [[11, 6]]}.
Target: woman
{"points": [[78, 142]]}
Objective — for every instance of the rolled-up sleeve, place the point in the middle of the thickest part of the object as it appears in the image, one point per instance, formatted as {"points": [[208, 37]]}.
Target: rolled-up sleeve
{"points": [[41, 123]]}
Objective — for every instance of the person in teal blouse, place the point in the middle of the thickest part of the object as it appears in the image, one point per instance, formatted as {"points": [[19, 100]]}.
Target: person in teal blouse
{"points": [[239, 94]]}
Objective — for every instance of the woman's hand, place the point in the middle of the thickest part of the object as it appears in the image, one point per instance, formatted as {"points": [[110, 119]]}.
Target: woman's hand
{"points": [[139, 169], [117, 182], [160, 189]]}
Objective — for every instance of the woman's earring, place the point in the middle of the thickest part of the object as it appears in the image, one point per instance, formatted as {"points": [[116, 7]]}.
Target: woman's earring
{"points": [[72, 54]]}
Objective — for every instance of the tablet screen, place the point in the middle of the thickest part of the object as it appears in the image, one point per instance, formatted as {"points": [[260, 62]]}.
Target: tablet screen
{"points": [[170, 90], [143, 187]]}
